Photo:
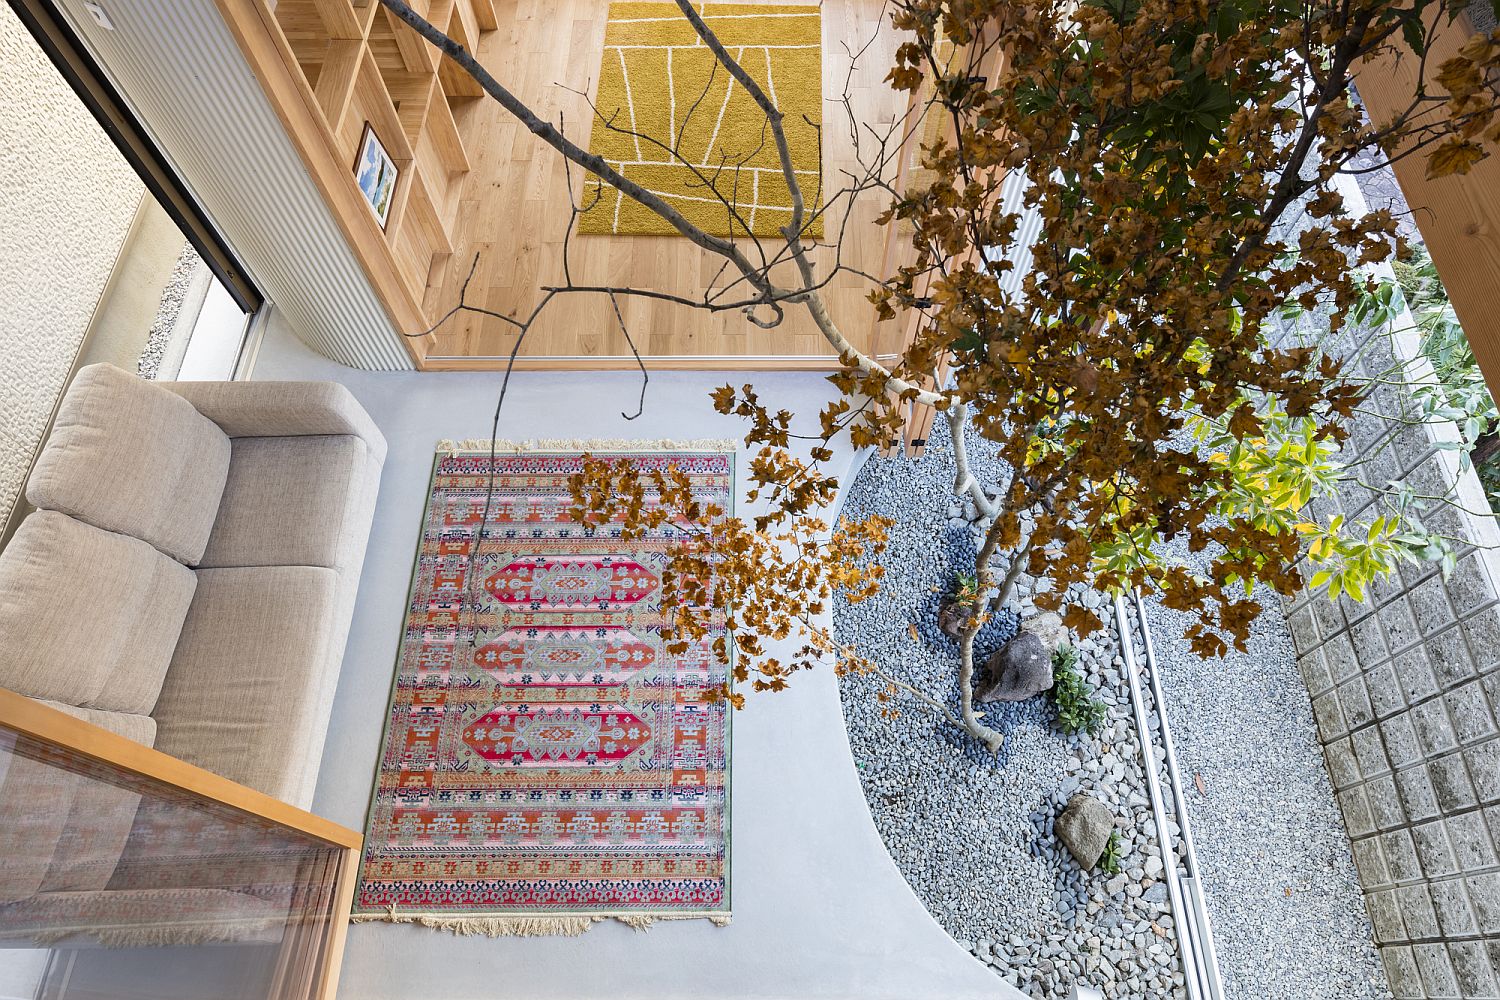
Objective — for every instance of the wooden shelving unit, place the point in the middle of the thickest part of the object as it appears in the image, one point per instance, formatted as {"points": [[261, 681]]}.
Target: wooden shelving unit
{"points": [[365, 66]]}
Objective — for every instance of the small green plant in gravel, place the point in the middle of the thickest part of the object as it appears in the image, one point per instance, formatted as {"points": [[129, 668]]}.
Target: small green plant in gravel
{"points": [[1109, 861], [1077, 708], [960, 606], [965, 591]]}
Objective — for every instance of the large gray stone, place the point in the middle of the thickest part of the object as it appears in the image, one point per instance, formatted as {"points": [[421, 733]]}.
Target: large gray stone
{"points": [[1047, 627], [1018, 670], [1084, 828]]}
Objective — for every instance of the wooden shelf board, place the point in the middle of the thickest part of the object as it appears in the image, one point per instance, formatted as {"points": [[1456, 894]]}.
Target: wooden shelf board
{"points": [[462, 27], [317, 21], [372, 97], [365, 11], [415, 95], [417, 54], [419, 237], [423, 212], [457, 83], [484, 14], [335, 86], [443, 131], [457, 18], [340, 18]]}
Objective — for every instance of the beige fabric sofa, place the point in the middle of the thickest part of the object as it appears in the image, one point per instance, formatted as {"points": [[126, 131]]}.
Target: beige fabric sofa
{"points": [[188, 576]]}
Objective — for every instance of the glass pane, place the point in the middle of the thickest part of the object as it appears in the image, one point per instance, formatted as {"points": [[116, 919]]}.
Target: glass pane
{"points": [[135, 888]]}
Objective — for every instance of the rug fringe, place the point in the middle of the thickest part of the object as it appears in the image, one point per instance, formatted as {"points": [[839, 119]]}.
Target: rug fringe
{"points": [[482, 445], [161, 936], [643, 921], [530, 926]]}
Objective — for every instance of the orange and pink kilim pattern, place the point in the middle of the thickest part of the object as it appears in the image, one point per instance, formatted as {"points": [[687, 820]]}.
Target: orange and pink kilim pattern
{"points": [[544, 754]]}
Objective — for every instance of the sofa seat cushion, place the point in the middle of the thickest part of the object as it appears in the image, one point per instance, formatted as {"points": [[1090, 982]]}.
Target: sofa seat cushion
{"points": [[249, 689], [140, 728], [288, 501], [73, 828], [128, 456], [90, 617]]}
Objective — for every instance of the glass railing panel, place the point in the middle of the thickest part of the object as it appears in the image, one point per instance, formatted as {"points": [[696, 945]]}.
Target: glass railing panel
{"points": [[115, 883]]}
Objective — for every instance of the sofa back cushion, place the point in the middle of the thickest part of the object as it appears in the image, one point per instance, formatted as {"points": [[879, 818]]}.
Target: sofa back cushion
{"points": [[128, 456], [88, 617], [289, 501]]}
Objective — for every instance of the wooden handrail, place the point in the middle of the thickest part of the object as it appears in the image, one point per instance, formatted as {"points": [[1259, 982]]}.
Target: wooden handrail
{"points": [[32, 718]]}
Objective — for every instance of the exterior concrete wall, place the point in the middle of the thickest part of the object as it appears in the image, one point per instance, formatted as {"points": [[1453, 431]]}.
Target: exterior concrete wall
{"points": [[123, 321], [66, 202], [1405, 689]]}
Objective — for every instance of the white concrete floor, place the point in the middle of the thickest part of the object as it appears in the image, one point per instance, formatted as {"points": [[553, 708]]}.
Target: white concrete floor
{"points": [[819, 907]]}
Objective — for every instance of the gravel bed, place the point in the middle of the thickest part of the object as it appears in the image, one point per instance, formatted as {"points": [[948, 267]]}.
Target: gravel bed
{"points": [[166, 314], [1283, 897], [973, 834]]}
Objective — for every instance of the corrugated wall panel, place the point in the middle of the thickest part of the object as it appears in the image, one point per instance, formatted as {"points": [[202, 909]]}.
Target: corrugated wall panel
{"points": [[179, 67], [1012, 193]]}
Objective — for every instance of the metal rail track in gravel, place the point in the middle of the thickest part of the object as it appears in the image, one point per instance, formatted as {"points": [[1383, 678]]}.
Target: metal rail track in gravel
{"points": [[1195, 938]]}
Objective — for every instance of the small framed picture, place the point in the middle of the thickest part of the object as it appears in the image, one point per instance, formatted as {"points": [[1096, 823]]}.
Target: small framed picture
{"points": [[376, 174]]}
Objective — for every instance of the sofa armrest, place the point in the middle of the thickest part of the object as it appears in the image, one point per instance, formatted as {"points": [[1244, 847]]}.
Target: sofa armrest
{"points": [[282, 409]]}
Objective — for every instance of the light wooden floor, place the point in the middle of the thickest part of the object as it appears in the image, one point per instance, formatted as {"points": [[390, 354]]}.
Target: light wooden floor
{"points": [[513, 210]]}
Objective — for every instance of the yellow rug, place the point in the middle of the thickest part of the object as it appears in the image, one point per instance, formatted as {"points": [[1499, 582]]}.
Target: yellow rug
{"points": [[658, 79]]}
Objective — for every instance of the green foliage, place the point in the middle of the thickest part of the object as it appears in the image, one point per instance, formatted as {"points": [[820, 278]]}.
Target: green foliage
{"points": [[1109, 861], [1077, 708], [964, 591], [1459, 393], [1274, 477], [1270, 480]]}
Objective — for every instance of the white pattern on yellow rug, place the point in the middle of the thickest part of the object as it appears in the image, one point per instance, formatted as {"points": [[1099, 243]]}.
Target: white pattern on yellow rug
{"points": [[659, 80]]}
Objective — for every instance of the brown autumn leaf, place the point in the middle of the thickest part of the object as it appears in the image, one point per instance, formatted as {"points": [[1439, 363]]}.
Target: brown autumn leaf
{"points": [[1459, 76], [1455, 156], [1080, 619]]}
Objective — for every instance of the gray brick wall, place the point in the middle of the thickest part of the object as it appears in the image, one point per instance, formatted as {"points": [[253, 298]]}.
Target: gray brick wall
{"points": [[1405, 689]]}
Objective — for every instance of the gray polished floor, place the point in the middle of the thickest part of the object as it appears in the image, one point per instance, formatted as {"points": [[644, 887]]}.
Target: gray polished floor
{"points": [[819, 908]]}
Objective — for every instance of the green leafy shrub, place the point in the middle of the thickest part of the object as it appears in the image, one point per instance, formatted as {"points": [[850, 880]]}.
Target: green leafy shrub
{"points": [[961, 607], [1109, 861], [964, 592], [1272, 479], [1459, 393], [1077, 708]]}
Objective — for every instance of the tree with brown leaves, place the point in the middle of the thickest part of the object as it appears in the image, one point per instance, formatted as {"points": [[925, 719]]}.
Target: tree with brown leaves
{"points": [[1126, 378]]}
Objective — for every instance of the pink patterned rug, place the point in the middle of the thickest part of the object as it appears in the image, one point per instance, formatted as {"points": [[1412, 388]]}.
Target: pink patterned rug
{"points": [[547, 763]]}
